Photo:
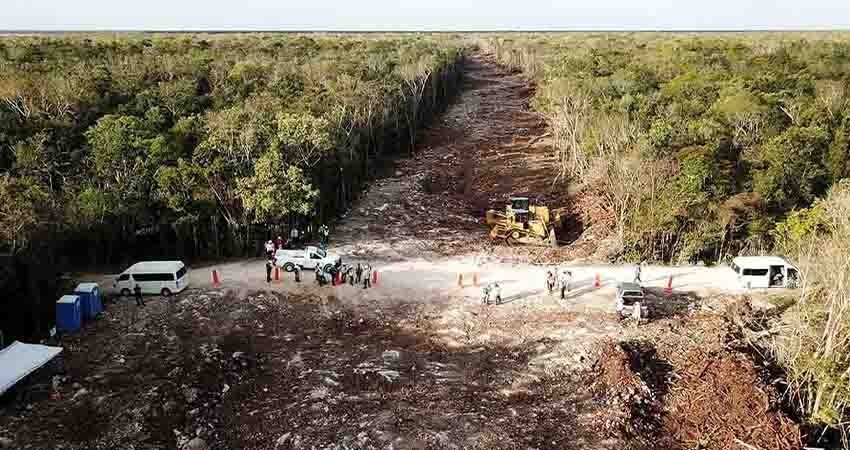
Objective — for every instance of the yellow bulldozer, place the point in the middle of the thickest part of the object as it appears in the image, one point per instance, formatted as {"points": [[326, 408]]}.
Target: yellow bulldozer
{"points": [[523, 223]]}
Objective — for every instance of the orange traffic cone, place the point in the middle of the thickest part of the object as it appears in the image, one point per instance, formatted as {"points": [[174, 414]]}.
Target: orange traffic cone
{"points": [[597, 283], [375, 278], [669, 289], [215, 279], [459, 280], [277, 273]]}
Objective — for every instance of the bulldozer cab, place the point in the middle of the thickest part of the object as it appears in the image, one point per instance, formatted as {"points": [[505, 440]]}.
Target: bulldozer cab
{"points": [[520, 203], [519, 211]]}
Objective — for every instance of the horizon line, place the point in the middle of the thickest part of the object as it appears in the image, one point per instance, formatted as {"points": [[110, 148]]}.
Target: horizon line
{"points": [[348, 31]]}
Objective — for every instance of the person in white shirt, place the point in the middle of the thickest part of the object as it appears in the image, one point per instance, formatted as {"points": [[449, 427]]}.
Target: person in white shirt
{"points": [[323, 234], [367, 277], [565, 279]]}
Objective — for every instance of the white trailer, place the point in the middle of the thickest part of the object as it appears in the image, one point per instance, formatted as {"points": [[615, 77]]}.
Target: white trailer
{"points": [[765, 272]]}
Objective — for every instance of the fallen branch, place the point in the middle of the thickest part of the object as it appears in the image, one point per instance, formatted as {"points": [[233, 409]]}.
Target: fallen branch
{"points": [[745, 445]]}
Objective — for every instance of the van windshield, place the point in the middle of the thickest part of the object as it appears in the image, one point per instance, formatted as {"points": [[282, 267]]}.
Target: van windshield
{"points": [[630, 297], [321, 253]]}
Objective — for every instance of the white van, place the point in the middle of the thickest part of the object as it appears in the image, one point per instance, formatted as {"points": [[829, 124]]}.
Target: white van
{"points": [[154, 277], [765, 272]]}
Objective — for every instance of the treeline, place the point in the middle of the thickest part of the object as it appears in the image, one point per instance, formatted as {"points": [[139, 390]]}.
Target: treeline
{"points": [[696, 144], [191, 146], [811, 339]]}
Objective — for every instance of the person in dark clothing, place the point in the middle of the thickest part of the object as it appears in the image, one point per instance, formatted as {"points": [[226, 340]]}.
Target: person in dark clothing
{"points": [[323, 234], [297, 273], [293, 237], [351, 275], [269, 271], [137, 291], [358, 272]]}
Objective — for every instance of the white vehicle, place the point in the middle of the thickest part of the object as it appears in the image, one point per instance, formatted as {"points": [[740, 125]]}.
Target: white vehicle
{"points": [[153, 277], [765, 272], [307, 258], [630, 297]]}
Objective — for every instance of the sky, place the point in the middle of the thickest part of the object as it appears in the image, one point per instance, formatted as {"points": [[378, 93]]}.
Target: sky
{"points": [[377, 15]]}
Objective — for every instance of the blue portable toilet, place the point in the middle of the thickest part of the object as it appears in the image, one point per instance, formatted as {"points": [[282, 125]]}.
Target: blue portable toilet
{"points": [[91, 303], [69, 313]]}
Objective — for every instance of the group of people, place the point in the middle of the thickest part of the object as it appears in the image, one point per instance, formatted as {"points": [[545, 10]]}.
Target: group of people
{"points": [[493, 290], [296, 238], [350, 274], [272, 246], [560, 278], [270, 266]]}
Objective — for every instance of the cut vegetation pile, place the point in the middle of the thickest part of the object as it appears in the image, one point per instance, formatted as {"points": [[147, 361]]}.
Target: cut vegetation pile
{"points": [[692, 391], [719, 402]]}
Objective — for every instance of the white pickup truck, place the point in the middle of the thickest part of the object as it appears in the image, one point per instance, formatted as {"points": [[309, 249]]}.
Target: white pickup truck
{"points": [[307, 258]]}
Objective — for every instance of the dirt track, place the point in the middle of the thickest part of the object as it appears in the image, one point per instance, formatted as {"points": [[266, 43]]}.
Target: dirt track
{"points": [[487, 146]]}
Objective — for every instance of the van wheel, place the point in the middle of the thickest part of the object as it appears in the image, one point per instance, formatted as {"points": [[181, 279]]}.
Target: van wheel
{"points": [[289, 267], [125, 292], [165, 292]]}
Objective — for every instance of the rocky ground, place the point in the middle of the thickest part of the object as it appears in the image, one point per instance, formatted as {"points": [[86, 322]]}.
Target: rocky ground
{"points": [[222, 369]]}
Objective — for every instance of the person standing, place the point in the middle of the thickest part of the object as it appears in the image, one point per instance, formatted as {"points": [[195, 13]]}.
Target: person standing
{"points": [[270, 249], [320, 278], [497, 292], [485, 294], [297, 271], [358, 272], [137, 292], [323, 234], [278, 243], [293, 237], [637, 273], [343, 273], [351, 275], [367, 277], [566, 277], [550, 281], [268, 271]]}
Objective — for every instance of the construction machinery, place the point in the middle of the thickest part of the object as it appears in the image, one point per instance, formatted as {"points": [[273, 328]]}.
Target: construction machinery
{"points": [[522, 223]]}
